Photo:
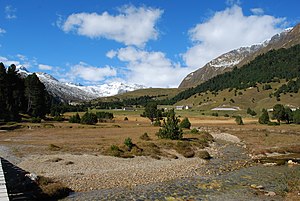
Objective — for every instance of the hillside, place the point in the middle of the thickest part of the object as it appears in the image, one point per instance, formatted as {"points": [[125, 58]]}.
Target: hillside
{"points": [[282, 64], [255, 98], [240, 57], [158, 93]]}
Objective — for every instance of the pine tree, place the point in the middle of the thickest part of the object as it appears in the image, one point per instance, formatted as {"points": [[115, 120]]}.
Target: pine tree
{"points": [[279, 112], [15, 93], [35, 93], [185, 123], [3, 107], [171, 129], [264, 118]]}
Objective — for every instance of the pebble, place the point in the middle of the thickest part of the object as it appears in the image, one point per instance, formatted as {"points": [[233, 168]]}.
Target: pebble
{"points": [[270, 193]]}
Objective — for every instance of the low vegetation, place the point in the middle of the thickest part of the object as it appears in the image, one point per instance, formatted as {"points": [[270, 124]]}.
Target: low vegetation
{"points": [[170, 128]]}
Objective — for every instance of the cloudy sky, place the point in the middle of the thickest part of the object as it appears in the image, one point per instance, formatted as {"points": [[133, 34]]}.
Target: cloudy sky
{"points": [[154, 43]]}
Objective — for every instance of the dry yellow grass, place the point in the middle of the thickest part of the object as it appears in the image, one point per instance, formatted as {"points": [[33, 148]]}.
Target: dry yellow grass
{"points": [[95, 139]]}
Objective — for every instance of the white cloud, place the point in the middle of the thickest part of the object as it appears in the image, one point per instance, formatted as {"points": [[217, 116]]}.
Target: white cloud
{"points": [[91, 73], [151, 69], [2, 31], [111, 54], [227, 30], [45, 67], [10, 12], [7, 62], [132, 26], [257, 11]]}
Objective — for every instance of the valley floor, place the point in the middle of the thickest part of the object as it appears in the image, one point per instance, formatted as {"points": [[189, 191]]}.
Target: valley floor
{"points": [[71, 153]]}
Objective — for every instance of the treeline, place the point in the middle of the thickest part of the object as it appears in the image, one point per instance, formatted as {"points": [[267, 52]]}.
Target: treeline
{"points": [[140, 101], [292, 86], [281, 64], [22, 95]]}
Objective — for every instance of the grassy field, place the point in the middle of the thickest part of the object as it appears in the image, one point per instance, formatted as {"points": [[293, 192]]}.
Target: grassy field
{"points": [[251, 97], [50, 137]]}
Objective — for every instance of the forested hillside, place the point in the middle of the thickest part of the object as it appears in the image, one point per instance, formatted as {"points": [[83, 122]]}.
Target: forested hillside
{"points": [[276, 64]]}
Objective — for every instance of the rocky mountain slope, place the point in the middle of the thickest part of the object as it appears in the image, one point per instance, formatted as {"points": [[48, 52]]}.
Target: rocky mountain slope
{"points": [[71, 92], [241, 56]]}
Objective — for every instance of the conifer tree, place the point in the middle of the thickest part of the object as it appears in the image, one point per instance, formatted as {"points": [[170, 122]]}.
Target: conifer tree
{"points": [[3, 107], [36, 96], [264, 118], [15, 93]]}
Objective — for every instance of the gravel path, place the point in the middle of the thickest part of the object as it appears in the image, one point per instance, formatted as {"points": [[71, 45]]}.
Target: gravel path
{"points": [[89, 172]]}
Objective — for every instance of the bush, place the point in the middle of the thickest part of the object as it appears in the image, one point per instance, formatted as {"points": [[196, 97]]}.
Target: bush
{"points": [[296, 116], [157, 122], [239, 120], [35, 120], [75, 118], [273, 123], [170, 128], [126, 119], [226, 115], [185, 123], [104, 115], [215, 114], [194, 131], [128, 143], [264, 117], [251, 112], [115, 151], [89, 118], [145, 137], [58, 118]]}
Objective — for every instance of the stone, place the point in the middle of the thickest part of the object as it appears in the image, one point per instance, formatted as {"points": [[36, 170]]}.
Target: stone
{"points": [[270, 193]]}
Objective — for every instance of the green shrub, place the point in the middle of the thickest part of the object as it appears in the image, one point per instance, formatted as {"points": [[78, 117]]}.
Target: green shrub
{"points": [[251, 112], [145, 137], [128, 143], [104, 115], [115, 151], [157, 122], [58, 118], [296, 116], [194, 131], [75, 118], [273, 123], [264, 117], [185, 123], [215, 114], [35, 120], [170, 128], [89, 118], [239, 120], [226, 115]]}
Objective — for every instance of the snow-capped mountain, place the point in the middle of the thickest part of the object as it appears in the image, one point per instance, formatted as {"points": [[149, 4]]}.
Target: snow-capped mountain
{"points": [[76, 92], [240, 56]]}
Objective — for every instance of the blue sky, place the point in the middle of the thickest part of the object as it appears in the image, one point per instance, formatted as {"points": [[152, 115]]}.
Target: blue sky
{"points": [[154, 43]]}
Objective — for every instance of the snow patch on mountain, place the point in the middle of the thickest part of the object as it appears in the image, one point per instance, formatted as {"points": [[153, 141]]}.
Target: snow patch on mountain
{"points": [[76, 92]]}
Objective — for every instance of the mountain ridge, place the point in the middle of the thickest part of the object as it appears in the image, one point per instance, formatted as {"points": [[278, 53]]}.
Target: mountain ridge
{"points": [[241, 56], [70, 92]]}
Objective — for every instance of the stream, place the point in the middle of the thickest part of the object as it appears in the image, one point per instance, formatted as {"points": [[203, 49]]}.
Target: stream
{"points": [[232, 175]]}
